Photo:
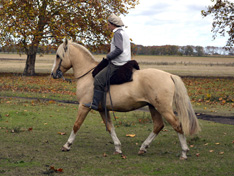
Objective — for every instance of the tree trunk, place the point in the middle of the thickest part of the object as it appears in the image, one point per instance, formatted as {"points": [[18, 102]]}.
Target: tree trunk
{"points": [[29, 69]]}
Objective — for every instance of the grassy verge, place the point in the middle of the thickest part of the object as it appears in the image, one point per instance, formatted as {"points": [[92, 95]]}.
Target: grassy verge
{"points": [[211, 95], [31, 137]]}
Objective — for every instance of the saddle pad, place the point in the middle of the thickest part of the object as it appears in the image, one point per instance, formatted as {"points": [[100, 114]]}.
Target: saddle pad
{"points": [[122, 75]]}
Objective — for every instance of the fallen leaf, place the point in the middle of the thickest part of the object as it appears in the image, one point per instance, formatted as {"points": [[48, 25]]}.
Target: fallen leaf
{"points": [[61, 133], [217, 143], [52, 168], [197, 154], [191, 146], [206, 144], [56, 170], [130, 135], [211, 151], [104, 155], [123, 157], [30, 129], [60, 170], [221, 153], [51, 101], [233, 142]]}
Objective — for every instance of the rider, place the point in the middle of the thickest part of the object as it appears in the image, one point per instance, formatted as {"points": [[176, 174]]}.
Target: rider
{"points": [[120, 53]]}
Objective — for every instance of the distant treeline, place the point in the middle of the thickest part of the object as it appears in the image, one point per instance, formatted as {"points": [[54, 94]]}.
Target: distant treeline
{"points": [[188, 50]]}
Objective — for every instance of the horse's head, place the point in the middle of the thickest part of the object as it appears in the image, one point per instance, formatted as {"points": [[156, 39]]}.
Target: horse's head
{"points": [[62, 61]]}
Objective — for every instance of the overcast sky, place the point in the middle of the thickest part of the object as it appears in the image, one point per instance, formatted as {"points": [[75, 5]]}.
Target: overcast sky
{"points": [[173, 22]]}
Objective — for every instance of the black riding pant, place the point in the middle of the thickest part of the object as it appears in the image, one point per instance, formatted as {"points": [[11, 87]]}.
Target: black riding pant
{"points": [[100, 80]]}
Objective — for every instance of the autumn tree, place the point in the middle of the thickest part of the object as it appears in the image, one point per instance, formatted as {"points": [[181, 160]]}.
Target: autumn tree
{"points": [[188, 51], [29, 24], [199, 51], [223, 21]]}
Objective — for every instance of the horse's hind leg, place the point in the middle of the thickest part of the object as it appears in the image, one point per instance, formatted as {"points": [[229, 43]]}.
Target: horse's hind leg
{"points": [[184, 146], [82, 113], [111, 130], [171, 118], [158, 126]]}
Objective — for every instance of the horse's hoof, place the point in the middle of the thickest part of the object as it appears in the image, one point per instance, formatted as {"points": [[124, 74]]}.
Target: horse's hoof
{"points": [[64, 149], [117, 153], [183, 158], [141, 152]]}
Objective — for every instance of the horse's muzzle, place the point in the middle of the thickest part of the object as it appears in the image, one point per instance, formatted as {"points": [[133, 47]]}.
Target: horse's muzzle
{"points": [[58, 74]]}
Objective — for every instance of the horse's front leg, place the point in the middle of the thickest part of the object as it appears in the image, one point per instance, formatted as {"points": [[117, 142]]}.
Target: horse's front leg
{"points": [[111, 130], [82, 113]]}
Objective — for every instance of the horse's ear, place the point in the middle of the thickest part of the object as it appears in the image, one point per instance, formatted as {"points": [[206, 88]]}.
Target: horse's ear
{"points": [[65, 45]]}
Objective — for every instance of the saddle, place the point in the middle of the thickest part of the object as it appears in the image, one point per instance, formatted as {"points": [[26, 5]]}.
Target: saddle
{"points": [[122, 75]]}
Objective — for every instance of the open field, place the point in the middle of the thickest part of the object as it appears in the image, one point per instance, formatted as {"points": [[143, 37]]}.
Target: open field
{"points": [[32, 132], [183, 66], [208, 95]]}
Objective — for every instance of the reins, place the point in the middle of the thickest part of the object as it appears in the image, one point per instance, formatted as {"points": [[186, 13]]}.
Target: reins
{"points": [[59, 72], [86, 73]]}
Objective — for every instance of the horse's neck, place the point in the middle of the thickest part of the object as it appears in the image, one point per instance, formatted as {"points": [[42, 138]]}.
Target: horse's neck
{"points": [[82, 63]]}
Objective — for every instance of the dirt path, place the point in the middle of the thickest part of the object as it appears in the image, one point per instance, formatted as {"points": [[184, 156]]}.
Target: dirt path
{"points": [[219, 119]]}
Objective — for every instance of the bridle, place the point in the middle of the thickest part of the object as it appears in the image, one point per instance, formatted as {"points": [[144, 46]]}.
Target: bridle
{"points": [[59, 73]]}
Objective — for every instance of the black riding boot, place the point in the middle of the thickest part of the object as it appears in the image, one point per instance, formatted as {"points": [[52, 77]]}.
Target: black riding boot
{"points": [[97, 100]]}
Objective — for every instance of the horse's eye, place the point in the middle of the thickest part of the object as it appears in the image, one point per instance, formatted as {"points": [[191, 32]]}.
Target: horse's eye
{"points": [[57, 56]]}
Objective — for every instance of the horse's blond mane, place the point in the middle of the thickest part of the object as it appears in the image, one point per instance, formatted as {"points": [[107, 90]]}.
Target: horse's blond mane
{"points": [[83, 49]]}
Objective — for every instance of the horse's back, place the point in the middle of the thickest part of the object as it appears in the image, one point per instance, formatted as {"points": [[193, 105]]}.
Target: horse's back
{"points": [[147, 86], [156, 73], [150, 76], [145, 79]]}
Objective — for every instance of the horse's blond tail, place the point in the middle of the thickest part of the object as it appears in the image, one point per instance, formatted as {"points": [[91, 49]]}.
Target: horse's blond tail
{"points": [[188, 119]]}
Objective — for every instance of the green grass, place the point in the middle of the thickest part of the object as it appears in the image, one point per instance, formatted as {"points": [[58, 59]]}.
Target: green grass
{"points": [[30, 144]]}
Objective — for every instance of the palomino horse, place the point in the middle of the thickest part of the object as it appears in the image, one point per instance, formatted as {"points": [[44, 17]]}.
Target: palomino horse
{"points": [[157, 89]]}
